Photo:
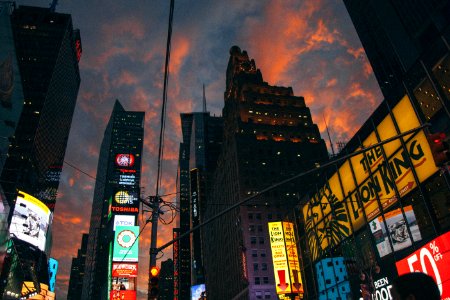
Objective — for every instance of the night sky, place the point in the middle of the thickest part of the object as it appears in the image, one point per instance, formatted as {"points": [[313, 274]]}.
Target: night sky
{"points": [[309, 45]]}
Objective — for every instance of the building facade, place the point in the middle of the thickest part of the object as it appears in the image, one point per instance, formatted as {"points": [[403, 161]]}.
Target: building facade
{"points": [[47, 55], [385, 211], [115, 203], [166, 280], [269, 136]]}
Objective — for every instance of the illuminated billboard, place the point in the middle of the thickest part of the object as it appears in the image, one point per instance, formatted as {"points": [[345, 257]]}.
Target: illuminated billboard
{"points": [[396, 230], [125, 160], [124, 270], [52, 270], [126, 244], [286, 265], [28, 288], [122, 295], [123, 220], [367, 180], [125, 201], [198, 292], [432, 259], [30, 220]]}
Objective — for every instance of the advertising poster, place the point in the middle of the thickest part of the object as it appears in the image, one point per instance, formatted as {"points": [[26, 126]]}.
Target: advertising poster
{"points": [[432, 259], [52, 270], [126, 244], [198, 292], [122, 295], [292, 254], [30, 220], [396, 231], [125, 201], [123, 220], [124, 270], [279, 258]]}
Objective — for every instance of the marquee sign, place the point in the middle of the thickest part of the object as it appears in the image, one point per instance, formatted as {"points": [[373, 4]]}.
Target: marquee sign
{"points": [[363, 180]]}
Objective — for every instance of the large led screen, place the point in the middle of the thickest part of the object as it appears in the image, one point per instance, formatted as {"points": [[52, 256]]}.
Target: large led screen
{"points": [[433, 259], [30, 220], [126, 244], [198, 292]]}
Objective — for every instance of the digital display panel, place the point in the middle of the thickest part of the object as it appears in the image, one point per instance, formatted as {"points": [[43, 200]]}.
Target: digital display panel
{"points": [[125, 160], [126, 244], [30, 221], [432, 259], [124, 270], [123, 220], [198, 292]]}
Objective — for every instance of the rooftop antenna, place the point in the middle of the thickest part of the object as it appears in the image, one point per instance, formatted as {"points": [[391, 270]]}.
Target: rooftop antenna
{"points": [[328, 133], [204, 99], [53, 5]]}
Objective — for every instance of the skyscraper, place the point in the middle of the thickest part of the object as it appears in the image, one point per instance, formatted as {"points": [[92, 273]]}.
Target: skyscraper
{"points": [[47, 50], [202, 139], [166, 280], [77, 271], [269, 136], [40, 79], [116, 200]]}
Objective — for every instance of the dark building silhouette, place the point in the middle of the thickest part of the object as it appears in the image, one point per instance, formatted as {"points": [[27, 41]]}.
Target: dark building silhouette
{"points": [[40, 79], [123, 135], [47, 50], [166, 280], [269, 136], [202, 139], [77, 271]]}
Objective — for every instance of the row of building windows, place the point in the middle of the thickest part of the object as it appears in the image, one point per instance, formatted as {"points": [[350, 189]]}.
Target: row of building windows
{"points": [[258, 281]]}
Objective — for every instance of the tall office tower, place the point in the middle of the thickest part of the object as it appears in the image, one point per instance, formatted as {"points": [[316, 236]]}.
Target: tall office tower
{"points": [[269, 136], [47, 50], [40, 79], [407, 44], [115, 208], [166, 280], [77, 271], [11, 102], [202, 139]]}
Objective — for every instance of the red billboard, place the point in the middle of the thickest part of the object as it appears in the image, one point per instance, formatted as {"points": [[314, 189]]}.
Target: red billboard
{"points": [[124, 270], [123, 295], [125, 160], [432, 259]]}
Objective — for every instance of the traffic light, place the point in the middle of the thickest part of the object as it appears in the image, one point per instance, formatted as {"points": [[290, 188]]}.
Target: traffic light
{"points": [[154, 281], [440, 148]]}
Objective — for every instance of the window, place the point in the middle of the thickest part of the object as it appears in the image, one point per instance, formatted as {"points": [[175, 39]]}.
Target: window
{"points": [[264, 266], [251, 228], [255, 267], [263, 253], [258, 216], [260, 228], [253, 240], [259, 295], [266, 280], [267, 295], [250, 216], [254, 253], [257, 280], [261, 240]]}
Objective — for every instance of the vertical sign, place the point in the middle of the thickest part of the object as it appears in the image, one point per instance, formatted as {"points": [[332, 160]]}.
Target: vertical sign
{"points": [[292, 256], [176, 264], [279, 258]]}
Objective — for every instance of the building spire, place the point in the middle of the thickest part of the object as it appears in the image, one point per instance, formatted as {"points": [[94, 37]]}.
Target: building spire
{"points": [[204, 99]]}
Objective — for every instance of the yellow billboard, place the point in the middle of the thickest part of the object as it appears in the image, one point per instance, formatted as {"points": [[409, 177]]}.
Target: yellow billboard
{"points": [[369, 180], [286, 265]]}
